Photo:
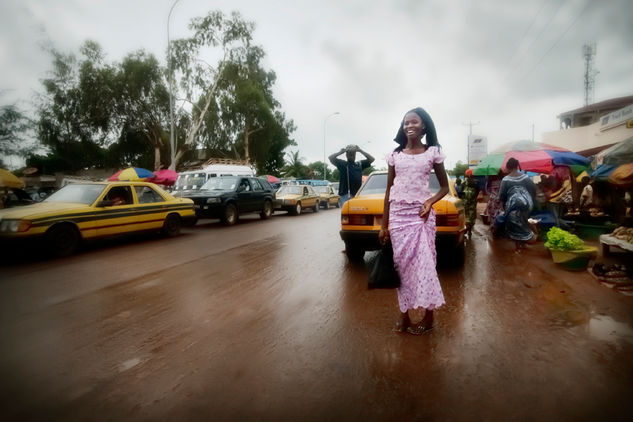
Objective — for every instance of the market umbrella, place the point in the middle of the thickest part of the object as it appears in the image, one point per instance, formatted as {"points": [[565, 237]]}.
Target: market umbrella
{"points": [[271, 179], [131, 174], [9, 180], [616, 155], [536, 157], [622, 176], [164, 177]]}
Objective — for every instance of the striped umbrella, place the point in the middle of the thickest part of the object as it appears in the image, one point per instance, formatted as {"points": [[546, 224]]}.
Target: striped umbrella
{"points": [[131, 174]]}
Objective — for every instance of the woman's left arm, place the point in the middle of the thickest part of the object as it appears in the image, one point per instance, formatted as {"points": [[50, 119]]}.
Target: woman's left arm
{"points": [[440, 172]]}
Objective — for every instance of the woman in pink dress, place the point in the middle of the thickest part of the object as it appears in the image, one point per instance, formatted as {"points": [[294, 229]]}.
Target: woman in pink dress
{"points": [[409, 220]]}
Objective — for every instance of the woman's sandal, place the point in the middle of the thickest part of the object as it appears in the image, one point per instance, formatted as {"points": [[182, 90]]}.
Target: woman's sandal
{"points": [[416, 330]]}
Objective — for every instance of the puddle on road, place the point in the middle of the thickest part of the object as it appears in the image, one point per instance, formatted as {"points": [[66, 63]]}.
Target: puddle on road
{"points": [[606, 328], [130, 363]]}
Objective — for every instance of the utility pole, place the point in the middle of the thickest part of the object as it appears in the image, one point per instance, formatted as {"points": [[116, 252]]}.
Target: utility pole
{"points": [[589, 51], [470, 133]]}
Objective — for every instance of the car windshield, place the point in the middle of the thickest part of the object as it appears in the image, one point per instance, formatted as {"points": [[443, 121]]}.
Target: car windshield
{"points": [[321, 189], [77, 193], [377, 183], [290, 190], [221, 183], [190, 181]]}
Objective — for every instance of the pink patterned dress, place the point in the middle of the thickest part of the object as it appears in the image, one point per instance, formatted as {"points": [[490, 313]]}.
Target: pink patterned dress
{"points": [[413, 239]]}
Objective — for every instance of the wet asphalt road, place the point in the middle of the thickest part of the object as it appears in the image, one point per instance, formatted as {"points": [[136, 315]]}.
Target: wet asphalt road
{"points": [[267, 320]]}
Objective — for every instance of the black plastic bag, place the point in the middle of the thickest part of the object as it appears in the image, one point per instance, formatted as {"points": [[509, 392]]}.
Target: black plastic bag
{"points": [[383, 274]]}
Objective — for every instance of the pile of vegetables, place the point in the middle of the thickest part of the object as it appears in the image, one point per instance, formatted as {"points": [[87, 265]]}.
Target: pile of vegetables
{"points": [[563, 240]]}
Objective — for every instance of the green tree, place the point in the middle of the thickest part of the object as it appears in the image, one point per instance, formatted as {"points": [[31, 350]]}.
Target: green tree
{"points": [[459, 169], [15, 133], [75, 111], [142, 111], [215, 34], [294, 166]]}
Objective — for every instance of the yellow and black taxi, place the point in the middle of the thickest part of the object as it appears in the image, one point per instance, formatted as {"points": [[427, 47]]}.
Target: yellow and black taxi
{"points": [[361, 217], [294, 198], [80, 211]]}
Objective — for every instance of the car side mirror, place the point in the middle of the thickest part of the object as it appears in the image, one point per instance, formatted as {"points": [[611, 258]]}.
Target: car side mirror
{"points": [[104, 203]]}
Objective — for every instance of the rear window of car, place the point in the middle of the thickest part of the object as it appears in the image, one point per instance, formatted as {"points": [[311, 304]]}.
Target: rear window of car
{"points": [[377, 183]]}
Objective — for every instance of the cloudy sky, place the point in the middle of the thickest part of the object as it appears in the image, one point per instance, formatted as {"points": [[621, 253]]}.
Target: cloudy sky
{"points": [[506, 66]]}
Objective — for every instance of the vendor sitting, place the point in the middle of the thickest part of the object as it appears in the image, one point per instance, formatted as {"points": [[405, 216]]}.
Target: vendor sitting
{"points": [[586, 197]]}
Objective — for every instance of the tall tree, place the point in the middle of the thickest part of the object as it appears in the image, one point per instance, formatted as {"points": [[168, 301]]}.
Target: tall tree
{"points": [[76, 109], [232, 107], [15, 133], [142, 106]]}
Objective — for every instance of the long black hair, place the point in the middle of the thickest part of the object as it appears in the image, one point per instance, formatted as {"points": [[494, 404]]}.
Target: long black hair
{"points": [[429, 130]]}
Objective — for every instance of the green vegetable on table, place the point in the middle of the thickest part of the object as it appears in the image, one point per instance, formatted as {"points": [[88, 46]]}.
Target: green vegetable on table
{"points": [[562, 240]]}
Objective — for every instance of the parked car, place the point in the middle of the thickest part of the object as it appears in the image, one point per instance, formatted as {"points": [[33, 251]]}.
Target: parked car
{"points": [[294, 198], [229, 196], [14, 197], [81, 211], [327, 196], [361, 217]]}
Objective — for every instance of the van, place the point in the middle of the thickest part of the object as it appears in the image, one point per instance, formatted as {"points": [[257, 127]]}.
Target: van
{"points": [[194, 179]]}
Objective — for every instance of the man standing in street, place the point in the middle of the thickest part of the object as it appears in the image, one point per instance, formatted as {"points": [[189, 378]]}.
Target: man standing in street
{"points": [[350, 171]]}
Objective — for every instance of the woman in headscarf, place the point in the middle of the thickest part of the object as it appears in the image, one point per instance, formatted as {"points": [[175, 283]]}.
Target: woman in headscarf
{"points": [[517, 195], [409, 220]]}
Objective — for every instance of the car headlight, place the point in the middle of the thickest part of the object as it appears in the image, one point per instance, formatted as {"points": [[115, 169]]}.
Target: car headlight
{"points": [[213, 200], [14, 226]]}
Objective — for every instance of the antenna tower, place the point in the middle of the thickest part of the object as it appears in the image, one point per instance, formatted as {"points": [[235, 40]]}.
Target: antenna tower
{"points": [[589, 51]]}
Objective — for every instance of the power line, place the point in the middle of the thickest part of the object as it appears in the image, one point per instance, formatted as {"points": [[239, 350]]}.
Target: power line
{"points": [[539, 35], [515, 50], [589, 2]]}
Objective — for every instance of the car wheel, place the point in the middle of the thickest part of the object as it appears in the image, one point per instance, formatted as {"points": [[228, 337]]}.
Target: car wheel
{"points": [[338, 203], [171, 226], [316, 206], [327, 204], [354, 253], [62, 240], [297, 209], [267, 211], [230, 215]]}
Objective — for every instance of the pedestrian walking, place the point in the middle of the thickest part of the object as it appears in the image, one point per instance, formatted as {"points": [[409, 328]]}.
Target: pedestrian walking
{"points": [[470, 191], [517, 196], [409, 220], [350, 171]]}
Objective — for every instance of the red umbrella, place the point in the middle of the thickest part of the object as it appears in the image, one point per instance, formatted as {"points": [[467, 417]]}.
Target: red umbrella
{"points": [[272, 179], [165, 177]]}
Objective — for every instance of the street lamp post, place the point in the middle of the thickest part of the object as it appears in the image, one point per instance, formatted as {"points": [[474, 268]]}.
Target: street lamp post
{"points": [[172, 140], [324, 162]]}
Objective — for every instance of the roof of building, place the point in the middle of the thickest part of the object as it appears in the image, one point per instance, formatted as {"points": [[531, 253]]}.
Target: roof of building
{"points": [[606, 105]]}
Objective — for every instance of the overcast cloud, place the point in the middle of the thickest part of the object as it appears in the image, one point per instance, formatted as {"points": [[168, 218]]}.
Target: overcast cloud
{"points": [[504, 65]]}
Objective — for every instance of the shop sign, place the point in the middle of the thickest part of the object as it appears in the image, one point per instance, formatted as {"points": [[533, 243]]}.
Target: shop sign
{"points": [[617, 118], [477, 149]]}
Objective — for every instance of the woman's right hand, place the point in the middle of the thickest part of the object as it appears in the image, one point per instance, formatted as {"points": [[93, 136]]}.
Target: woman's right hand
{"points": [[383, 236]]}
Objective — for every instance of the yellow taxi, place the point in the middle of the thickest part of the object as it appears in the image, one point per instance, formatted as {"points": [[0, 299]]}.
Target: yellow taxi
{"points": [[81, 211], [294, 198], [327, 197], [361, 217]]}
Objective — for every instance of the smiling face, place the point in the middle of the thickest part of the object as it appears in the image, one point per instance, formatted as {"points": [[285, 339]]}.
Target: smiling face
{"points": [[413, 126]]}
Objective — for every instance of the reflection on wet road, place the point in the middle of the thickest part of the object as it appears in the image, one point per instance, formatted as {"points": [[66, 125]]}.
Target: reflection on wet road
{"points": [[267, 320]]}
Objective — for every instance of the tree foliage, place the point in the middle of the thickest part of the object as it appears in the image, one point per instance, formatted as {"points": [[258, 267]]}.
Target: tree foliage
{"points": [[233, 110], [459, 169], [294, 166], [15, 133]]}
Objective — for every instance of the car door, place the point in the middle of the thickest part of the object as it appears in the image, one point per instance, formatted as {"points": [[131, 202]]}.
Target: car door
{"points": [[151, 210], [259, 194], [245, 196], [118, 215]]}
